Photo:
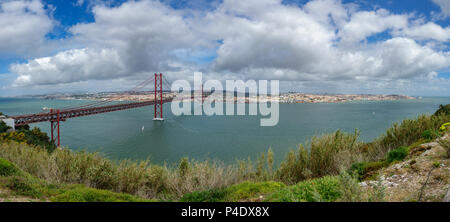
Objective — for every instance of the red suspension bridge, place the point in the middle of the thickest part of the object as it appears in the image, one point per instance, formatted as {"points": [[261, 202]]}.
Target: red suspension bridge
{"points": [[55, 116]]}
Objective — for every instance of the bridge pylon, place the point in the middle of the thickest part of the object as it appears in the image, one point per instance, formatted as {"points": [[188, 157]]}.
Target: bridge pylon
{"points": [[158, 113], [54, 125]]}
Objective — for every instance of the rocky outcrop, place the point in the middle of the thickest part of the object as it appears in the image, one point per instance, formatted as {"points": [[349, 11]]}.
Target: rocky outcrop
{"points": [[423, 176]]}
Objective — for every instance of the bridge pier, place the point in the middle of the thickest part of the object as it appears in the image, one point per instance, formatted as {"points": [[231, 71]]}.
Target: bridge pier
{"points": [[54, 125], [158, 112]]}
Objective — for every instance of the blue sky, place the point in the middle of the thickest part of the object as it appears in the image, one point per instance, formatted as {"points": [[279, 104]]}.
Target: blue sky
{"points": [[385, 46]]}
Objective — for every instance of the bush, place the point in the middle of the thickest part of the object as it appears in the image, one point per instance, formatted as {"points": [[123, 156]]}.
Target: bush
{"points": [[321, 189], [34, 137], [397, 154], [367, 170], [7, 168], [430, 134], [404, 134], [443, 110], [321, 158]]}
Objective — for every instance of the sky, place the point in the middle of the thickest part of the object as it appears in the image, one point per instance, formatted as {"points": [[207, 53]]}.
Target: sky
{"points": [[318, 46]]}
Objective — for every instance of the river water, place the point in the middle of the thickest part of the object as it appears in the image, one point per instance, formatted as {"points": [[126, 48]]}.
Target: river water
{"points": [[131, 134]]}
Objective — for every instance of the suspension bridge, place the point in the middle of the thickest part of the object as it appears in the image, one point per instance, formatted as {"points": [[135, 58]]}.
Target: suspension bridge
{"points": [[56, 116]]}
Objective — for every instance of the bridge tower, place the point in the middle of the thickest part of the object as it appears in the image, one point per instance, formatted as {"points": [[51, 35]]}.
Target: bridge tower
{"points": [[158, 113], [54, 125]]}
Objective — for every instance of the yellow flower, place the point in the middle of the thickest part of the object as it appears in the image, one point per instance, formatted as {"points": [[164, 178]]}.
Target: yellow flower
{"points": [[444, 126]]}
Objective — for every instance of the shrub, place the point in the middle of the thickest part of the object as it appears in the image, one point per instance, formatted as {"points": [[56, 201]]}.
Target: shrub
{"points": [[7, 168], [397, 154], [320, 158], [443, 110], [367, 170], [404, 134], [430, 134], [33, 137], [320, 189]]}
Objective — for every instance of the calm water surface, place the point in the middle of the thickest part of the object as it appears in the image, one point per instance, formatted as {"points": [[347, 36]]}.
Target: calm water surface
{"points": [[119, 135]]}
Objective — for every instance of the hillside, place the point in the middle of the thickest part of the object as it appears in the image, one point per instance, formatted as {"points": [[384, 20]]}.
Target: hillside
{"points": [[409, 162]]}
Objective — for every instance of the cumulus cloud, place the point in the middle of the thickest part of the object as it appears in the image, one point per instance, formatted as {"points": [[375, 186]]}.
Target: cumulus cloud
{"points": [[367, 23], [321, 41], [427, 31], [23, 26], [444, 5], [71, 66]]}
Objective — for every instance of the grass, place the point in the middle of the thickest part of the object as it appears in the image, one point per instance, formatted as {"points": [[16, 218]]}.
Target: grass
{"points": [[321, 189], [85, 194], [23, 184], [7, 168], [322, 157], [239, 192]]}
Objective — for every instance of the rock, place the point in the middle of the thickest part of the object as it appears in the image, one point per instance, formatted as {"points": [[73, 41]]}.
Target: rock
{"points": [[363, 184], [447, 196]]}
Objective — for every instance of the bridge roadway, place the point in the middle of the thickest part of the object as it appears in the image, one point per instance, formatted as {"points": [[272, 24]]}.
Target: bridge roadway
{"points": [[62, 115]]}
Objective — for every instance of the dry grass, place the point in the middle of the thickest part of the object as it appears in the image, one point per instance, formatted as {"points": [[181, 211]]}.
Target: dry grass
{"points": [[138, 178], [321, 156]]}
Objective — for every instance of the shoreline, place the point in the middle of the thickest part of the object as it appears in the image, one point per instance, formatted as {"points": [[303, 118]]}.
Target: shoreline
{"points": [[283, 98]]}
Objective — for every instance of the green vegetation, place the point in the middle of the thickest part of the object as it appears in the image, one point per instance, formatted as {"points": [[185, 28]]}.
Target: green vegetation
{"points": [[238, 192], [322, 156], [321, 189], [366, 170], [7, 168], [397, 154], [23, 134], [24, 184], [445, 110], [319, 170], [430, 134], [84, 194], [3, 127], [436, 164]]}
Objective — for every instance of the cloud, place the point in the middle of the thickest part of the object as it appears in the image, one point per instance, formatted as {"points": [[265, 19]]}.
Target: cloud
{"points": [[70, 66], [364, 24], [427, 31], [444, 5], [321, 41], [23, 26]]}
